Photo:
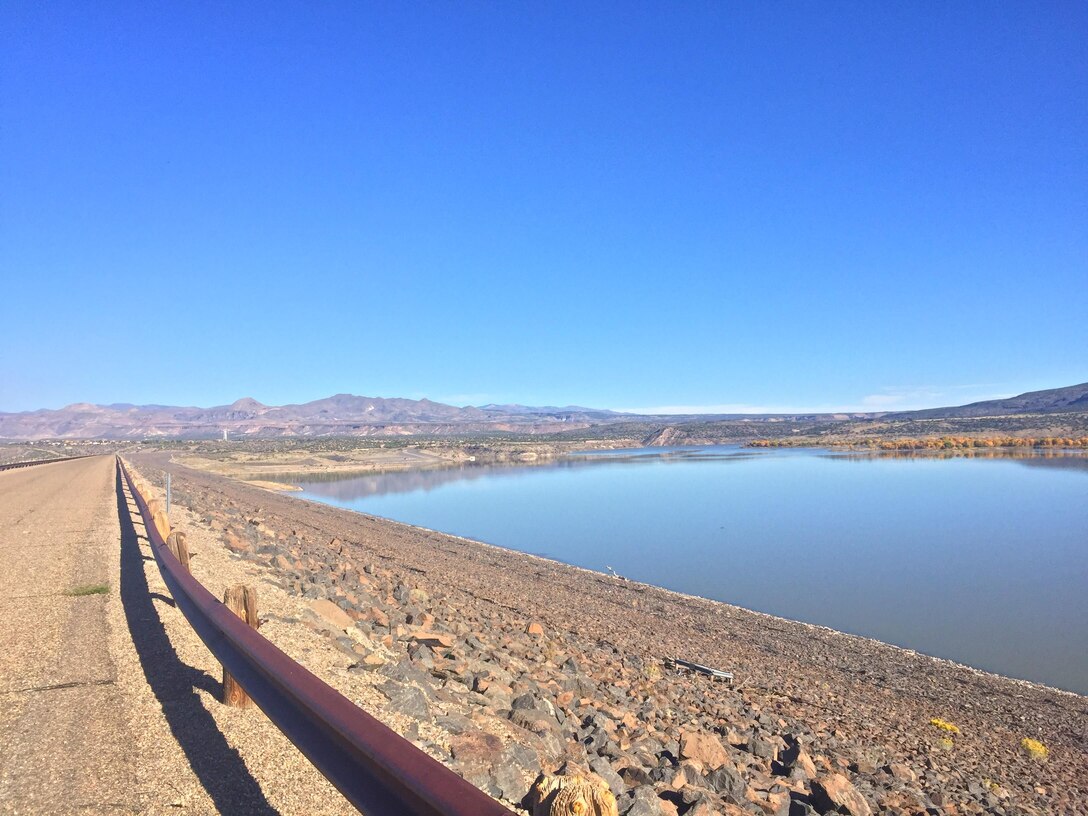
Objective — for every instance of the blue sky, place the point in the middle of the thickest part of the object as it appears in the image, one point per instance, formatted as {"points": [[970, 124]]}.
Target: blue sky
{"points": [[627, 205]]}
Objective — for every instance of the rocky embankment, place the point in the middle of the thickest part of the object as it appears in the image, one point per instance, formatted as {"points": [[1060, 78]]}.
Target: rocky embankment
{"points": [[524, 665]]}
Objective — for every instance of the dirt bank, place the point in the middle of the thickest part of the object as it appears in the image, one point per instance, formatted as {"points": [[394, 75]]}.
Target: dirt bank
{"points": [[254, 462]]}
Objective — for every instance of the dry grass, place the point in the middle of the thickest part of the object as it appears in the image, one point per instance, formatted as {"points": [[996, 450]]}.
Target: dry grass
{"points": [[88, 589]]}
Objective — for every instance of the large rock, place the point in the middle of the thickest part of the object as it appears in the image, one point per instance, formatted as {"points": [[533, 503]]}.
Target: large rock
{"points": [[726, 781], [512, 774], [603, 768], [332, 613], [533, 720], [688, 773], [834, 794], [900, 771], [481, 758], [435, 640], [794, 761], [704, 748], [641, 801], [475, 747], [237, 545], [764, 749], [406, 699], [633, 776]]}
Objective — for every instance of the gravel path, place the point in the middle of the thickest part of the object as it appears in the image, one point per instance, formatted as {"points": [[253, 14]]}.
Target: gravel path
{"points": [[66, 733], [110, 702]]}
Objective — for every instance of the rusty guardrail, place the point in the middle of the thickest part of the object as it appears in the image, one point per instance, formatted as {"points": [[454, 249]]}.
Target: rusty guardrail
{"points": [[14, 465], [377, 770]]}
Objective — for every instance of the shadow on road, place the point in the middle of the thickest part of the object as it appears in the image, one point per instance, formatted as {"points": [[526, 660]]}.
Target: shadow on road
{"points": [[219, 767]]}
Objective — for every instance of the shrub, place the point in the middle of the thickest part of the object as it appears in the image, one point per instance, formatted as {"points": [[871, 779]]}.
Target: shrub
{"points": [[944, 725], [1035, 749]]}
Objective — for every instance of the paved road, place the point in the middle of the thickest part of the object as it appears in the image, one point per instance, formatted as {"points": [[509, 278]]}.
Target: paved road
{"points": [[66, 742]]}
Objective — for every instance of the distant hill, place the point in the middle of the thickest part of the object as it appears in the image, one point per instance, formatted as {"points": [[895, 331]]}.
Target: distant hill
{"points": [[351, 415], [1052, 401], [341, 414]]}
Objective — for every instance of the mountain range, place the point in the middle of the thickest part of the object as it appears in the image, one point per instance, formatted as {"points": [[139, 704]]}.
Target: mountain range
{"points": [[342, 414], [349, 415], [1072, 398]]}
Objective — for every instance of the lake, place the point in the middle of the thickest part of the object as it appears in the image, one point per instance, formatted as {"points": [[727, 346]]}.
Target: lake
{"points": [[983, 560]]}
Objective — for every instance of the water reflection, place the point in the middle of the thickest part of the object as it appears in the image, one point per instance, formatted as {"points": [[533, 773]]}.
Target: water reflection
{"points": [[348, 487], [352, 486], [1041, 457]]}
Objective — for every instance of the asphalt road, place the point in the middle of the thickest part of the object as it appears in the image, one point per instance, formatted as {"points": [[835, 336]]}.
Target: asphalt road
{"points": [[66, 739]]}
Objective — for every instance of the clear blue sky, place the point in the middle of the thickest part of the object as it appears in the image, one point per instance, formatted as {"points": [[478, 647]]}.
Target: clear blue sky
{"points": [[626, 205]]}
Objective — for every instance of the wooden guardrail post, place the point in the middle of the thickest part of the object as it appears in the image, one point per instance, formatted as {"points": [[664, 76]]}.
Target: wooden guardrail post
{"points": [[179, 546], [158, 517], [242, 601]]}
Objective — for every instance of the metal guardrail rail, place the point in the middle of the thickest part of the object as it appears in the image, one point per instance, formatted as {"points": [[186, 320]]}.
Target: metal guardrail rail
{"points": [[14, 465], [377, 770]]}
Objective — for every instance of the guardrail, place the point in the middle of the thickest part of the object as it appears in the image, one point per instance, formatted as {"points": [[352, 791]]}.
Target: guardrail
{"points": [[14, 465], [377, 770]]}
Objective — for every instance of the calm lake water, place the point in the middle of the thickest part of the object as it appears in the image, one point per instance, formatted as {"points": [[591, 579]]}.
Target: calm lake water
{"points": [[981, 560]]}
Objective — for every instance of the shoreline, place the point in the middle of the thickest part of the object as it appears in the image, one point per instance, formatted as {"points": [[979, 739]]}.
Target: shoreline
{"points": [[859, 699], [1046, 677], [596, 574], [1043, 687]]}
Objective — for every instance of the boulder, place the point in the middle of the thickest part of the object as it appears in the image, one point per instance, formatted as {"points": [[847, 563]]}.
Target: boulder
{"points": [[332, 613], [475, 747], [704, 748], [439, 640], [688, 773], [835, 794], [642, 801], [513, 772], [726, 781], [794, 761], [897, 770], [633, 776], [406, 699], [236, 545], [603, 768], [756, 746], [378, 616]]}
